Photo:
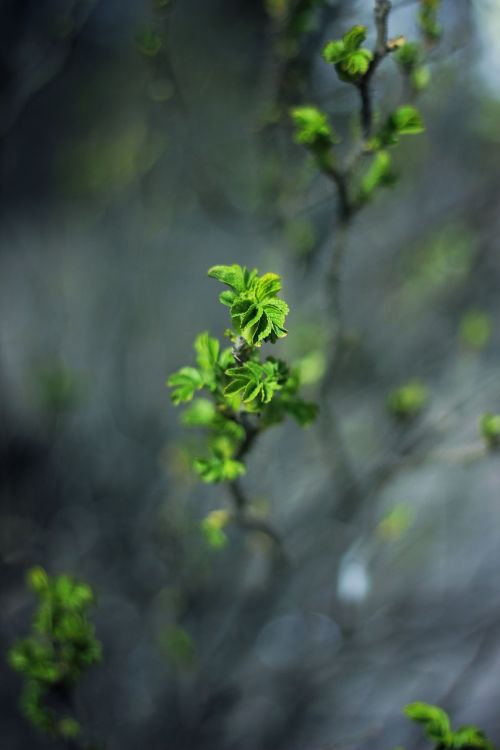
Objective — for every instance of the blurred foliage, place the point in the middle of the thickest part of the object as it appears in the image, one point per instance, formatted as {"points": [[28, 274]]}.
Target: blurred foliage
{"points": [[295, 19], [410, 58], [396, 523], [445, 259], [213, 528], [300, 236], [436, 725], [57, 388], [489, 426], [61, 648], [102, 163], [407, 401], [148, 42], [179, 647], [428, 20], [475, 329]]}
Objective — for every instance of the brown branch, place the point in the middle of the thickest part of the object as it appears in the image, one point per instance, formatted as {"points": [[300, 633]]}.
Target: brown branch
{"points": [[239, 496], [381, 13]]}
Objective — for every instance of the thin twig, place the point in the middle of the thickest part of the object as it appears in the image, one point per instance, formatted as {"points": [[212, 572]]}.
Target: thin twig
{"points": [[382, 10], [239, 496]]}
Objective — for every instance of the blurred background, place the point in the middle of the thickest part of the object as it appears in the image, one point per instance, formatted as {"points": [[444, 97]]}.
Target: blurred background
{"points": [[141, 143]]}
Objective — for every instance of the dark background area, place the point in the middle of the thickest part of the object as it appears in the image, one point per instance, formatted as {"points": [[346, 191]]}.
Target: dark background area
{"points": [[122, 179]]}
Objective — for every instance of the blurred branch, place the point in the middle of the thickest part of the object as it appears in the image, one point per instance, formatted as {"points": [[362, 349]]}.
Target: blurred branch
{"points": [[381, 13], [240, 499]]}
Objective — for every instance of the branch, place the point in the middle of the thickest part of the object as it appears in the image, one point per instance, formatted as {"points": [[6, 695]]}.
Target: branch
{"points": [[381, 13], [239, 496]]}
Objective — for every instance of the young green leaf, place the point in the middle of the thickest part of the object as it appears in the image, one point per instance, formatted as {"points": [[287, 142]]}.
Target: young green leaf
{"points": [[200, 413], [213, 528], [434, 720], [255, 381], [408, 56], [351, 61], [218, 469], [62, 645], [407, 402], [489, 427], [304, 412], [378, 174], [354, 38], [257, 321], [207, 350], [185, 383], [475, 329], [312, 128], [428, 20], [470, 737], [407, 120], [235, 276]]}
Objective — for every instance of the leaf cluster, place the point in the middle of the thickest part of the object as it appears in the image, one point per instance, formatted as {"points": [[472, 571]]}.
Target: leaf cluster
{"points": [[405, 120], [436, 726], [257, 313], [351, 60], [61, 647], [428, 20], [312, 128], [410, 59], [243, 392], [355, 64]]}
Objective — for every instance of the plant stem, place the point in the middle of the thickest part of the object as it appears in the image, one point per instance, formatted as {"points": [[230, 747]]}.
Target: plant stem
{"points": [[382, 10], [239, 496]]}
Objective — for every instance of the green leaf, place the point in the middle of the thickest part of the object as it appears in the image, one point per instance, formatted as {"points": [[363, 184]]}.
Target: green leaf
{"points": [[257, 321], [179, 646], [420, 77], [354, 38], [148, 42], [201, 413], [267, 286], [350, 59], [334, 52], [304, 412], [428, 20], [407, 402], [235, 276], [38, 580], [213, 528], [407, 120], [217, 469], [185, 383], [357, 63], [470, 737], [68, 728], [378, 174], [312, 128], [475, 329], [408, 56], [227, 298], [489, 427], [254, 381], [207, 350], [434, 720]]}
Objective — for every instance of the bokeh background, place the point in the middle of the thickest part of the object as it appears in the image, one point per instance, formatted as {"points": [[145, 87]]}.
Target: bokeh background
{"points": [[134, 154]]}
